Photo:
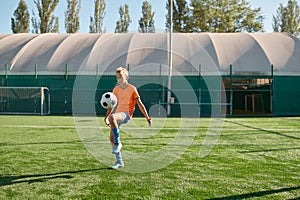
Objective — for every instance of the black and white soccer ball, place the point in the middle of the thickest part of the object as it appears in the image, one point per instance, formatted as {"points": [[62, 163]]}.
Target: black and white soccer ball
{"points": [[108, 100]]}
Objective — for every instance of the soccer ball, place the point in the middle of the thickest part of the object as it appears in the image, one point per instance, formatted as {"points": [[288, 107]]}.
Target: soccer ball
{"points": [[108, 100]]}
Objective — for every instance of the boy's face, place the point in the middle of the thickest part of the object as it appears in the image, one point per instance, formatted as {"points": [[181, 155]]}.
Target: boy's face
{"points": [[121, 78]]}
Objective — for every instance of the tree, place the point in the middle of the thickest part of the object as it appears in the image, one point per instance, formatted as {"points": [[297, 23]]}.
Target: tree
{"points": [[46, 22], [249, 20], [124, 21], [96, 22], [20, 21], [201, 15], [225, 16], [72, 23], [181, 16], [146, 22], [287, 19]]}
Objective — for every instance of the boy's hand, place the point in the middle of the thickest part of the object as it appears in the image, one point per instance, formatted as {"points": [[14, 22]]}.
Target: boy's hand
{"points": [[106, 122], [149, 120]]}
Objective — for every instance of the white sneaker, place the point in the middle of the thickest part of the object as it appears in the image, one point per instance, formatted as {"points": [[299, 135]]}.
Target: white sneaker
{"points": [[117, 165], [117, 148]]}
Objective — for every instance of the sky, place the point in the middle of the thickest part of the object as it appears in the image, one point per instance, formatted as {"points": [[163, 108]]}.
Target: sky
{"points": [[8, 7]]}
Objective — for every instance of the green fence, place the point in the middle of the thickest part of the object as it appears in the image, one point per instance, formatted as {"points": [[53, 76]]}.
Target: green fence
{"points": [[286, 97], [242, 95]]}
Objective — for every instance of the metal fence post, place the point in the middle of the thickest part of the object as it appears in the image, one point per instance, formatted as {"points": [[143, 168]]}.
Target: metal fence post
{"points": [[97, 71], [200, 90], [6, 74], [231, 92], [272, 89]]}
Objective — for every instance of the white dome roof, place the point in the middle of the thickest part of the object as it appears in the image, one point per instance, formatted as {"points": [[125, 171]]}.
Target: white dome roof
{"points": [[147, 53]]}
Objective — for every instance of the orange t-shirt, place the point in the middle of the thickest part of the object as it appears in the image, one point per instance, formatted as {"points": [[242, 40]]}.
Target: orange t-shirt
{"points": [[126, 98]]}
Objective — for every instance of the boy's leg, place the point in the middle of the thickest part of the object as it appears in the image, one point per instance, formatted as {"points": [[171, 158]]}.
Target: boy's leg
{"points": [[118, 155], [119, 162], [114, 120]]}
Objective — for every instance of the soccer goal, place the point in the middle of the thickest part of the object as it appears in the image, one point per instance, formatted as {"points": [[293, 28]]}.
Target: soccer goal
{"points": [[24, 100]]}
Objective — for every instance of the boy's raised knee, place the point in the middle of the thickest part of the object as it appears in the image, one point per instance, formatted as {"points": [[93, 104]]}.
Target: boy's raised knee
{"points": [[111, 118]]}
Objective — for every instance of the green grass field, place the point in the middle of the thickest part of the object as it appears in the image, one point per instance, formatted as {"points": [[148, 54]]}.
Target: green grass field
{"points": [[255, 158]]}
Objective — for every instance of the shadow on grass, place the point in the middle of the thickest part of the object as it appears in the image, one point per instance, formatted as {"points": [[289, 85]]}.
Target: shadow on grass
{"points": [[257, 194], [264, 130], [270, 150], [13, 179]]}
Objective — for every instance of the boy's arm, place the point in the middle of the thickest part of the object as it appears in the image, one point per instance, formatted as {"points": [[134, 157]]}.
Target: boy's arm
{"points": [[108, 112], [144, 111]]}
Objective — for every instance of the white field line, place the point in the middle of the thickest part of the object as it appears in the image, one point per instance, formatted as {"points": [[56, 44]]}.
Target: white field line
{"points": [[149, 128], [95, 127]]}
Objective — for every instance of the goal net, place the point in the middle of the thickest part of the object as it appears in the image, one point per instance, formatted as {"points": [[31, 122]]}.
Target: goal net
{"points": [[24, 100]]}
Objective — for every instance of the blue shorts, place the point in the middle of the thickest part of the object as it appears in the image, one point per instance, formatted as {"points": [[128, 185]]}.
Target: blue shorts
{"points": [[126, 120]]}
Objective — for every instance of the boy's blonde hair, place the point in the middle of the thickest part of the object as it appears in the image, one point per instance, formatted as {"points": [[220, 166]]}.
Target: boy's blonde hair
{"points": [[122, 71]]}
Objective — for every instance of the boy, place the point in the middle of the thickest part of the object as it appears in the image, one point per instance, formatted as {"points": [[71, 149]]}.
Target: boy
{"points": [[127, 96]]}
